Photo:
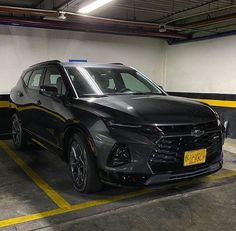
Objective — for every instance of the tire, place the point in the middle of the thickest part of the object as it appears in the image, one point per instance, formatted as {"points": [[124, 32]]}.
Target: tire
{"points": [[18, 135], [83, 166]]}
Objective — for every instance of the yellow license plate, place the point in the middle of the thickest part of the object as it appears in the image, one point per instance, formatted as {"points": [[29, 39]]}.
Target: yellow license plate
{"points": [[195, 157]]}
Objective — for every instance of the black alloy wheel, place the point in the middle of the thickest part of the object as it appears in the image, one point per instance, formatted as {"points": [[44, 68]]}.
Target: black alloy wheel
{"points": [[83, 165], [18, 135], [77, 163]]}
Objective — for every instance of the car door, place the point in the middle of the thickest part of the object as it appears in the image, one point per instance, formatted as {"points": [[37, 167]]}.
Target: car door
{"points": [[30, 112], [54, 109]]}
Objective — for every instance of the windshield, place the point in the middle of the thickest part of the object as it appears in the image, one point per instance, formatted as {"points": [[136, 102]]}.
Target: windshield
{"points": [[94, 81]]}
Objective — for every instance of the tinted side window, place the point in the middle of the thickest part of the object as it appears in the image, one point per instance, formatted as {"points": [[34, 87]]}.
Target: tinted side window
{"points": [[112, 84], [53, 78], [26, 77], [36, 79], [78, 80]]}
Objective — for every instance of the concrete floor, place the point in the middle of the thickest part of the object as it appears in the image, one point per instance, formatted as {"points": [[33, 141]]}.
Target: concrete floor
{"points": [[36, 193]]}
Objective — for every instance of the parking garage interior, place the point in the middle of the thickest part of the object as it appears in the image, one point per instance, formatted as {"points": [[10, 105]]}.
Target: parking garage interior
{"points": [[188, 48]]}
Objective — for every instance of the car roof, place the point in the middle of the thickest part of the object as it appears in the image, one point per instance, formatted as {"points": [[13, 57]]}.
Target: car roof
{"points": [[84, 64]]}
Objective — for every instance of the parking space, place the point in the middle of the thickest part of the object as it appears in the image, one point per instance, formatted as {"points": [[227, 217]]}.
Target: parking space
{"points": [[148, 87], [35, 186], [19, 191]]}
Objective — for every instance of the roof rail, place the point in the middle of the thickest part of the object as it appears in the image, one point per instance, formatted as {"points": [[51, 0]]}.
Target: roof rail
{"points": [[46, 62], [117, 64]]}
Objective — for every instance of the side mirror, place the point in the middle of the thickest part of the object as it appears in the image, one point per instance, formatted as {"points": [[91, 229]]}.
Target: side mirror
{"points": [[48, 91]]}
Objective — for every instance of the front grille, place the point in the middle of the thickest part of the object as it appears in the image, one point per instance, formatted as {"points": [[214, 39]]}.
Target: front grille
{"points": [[168, 154], [186, 129]]}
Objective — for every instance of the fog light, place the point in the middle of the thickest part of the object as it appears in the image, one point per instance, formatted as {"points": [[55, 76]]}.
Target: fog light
{"points": [[120, 155]]}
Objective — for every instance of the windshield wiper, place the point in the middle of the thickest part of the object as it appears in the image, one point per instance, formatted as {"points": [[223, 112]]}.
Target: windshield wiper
{"points": [[135, 93], [94, 95], [121, 93], [147, 93]]}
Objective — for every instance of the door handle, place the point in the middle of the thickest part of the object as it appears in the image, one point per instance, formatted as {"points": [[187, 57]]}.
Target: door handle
{"points": [[20, 94], [38, 102]]}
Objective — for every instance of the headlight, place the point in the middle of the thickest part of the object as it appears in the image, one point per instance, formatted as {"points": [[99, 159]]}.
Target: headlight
{"points": [[217, 117], [152, 132], [111, 123], [216, 114]]}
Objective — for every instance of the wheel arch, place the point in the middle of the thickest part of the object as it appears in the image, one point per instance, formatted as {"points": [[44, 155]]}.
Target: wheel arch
{"points": [[70, 131]]}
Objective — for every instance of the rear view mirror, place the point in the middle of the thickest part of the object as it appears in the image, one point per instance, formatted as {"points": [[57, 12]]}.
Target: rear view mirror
{"points": [[48, 90]]}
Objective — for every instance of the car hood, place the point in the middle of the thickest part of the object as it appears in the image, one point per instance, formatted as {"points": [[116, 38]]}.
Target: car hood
{"points": [[153, 109]]}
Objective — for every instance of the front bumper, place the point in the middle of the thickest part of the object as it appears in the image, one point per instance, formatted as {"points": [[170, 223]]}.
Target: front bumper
{"points": [[156, 159], [175, 176], [116, 178]]}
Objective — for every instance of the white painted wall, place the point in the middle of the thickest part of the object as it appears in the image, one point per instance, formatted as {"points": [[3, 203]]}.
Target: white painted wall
{"points": [[204, 67], [21, 47]]}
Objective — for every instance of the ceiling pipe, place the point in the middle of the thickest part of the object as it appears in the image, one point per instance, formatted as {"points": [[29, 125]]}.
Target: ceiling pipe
{"points": [[92, 19], [111, 29], [27, 11], [84, 18]]}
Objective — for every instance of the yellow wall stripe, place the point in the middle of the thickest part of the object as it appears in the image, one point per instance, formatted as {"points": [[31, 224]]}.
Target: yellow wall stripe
{"points": [[51, 193], [211, 102], [5, 104], [219, 103]]}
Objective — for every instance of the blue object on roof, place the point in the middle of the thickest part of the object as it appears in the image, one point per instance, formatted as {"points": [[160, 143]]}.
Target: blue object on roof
{"points": [[78, 61]]}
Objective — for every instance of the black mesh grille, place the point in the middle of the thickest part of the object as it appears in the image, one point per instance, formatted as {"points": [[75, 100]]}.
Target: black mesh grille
{"points": [[168, 154]]}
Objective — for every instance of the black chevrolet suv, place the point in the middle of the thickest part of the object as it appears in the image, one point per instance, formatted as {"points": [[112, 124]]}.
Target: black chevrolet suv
{"points": [[114, 125]]}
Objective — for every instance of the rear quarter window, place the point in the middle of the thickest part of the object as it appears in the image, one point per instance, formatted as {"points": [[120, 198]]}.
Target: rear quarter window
{"points": [[35, 79], [26, 77]]}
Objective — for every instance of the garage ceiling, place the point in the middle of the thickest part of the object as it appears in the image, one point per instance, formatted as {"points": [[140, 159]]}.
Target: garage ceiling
{"points": [[174, 20]]}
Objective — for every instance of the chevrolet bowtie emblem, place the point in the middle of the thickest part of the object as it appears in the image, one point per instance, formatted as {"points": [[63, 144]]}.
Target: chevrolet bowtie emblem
{"points": [[197, 133]]}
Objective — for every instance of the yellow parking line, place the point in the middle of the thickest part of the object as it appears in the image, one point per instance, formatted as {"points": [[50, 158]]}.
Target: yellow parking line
{"points": [[89, 204], [65, 207], [221, 176], [35, 177]]}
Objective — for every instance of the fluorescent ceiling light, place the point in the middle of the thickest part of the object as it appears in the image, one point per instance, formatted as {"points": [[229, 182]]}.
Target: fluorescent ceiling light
{"points": [[93, 6]]}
